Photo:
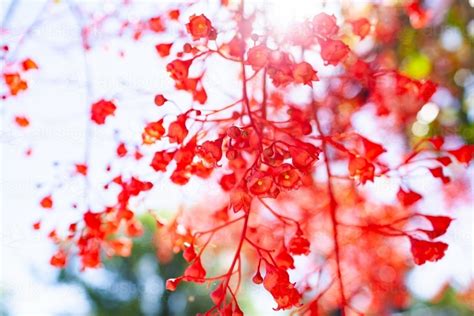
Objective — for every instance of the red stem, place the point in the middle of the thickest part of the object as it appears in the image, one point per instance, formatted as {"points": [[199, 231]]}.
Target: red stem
{"points": [[237, 253], [332, 205]]}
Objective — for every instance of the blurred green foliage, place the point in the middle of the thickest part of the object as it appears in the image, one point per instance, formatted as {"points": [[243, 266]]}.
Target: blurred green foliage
{"points": [[435, 52], [447, 305], [136, 285]]}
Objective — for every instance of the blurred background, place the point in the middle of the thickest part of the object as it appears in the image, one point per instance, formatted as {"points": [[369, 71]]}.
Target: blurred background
{"points": [[38, 159]]}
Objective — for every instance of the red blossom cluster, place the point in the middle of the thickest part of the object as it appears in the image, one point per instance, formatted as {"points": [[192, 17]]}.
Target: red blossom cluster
{"points": [[292, 175], [94, 239]]}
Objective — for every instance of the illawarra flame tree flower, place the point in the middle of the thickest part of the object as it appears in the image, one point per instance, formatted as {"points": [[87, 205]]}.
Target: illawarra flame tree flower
{"points": [[294, 174]]}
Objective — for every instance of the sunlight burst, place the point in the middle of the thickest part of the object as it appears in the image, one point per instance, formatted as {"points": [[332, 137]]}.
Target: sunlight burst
{"points": [[282, 14]]}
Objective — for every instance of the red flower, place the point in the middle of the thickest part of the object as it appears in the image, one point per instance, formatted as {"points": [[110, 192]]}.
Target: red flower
{"points": [[302, 158], [179, 69], [463, 154], [22, 121], [258, 56], [121, 150], [101, 109], [304, 73], [275, 158], [445, 161], [333, 51], [228, 181], [437, 142], [195, 272], [280, 68], [189, 254], [185, 155], [180, 176], [163, 49], [153, 131], [201, 170], [200, 96], [172, 284], [284, 260], [120, 247], [73, 227], [234, 132], [137, 155], [236, 47], [423, 251], [372, 150], [260, 185], [288, 178], [134, 228], [299, 245], [362, 71], [211, 151], [174, 14], [325, 25], [440, 225], [361, 27], [438, 173], [160, 100], [427, 89], [28, 64], [177, 130], [93, 221], [257, 278], [81, 169], [135, 186], [419, 17], [37, 225], [277, 282], [240, 200], [156, 24], [218, 294], [409, 197], [200, 27], [360, 168], [89, 250], [47, 202], [59, 259], [15, 83], [161, 160]]}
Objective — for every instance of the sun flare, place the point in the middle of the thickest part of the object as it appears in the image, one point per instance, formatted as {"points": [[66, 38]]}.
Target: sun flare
{"points": [[281, 15]]}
